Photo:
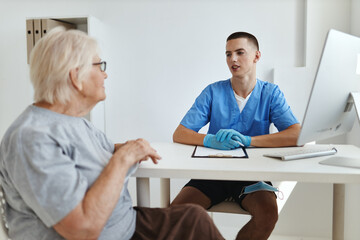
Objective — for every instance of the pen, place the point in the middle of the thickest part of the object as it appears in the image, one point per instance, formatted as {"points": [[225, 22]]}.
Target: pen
{"points": [[240, 143]]}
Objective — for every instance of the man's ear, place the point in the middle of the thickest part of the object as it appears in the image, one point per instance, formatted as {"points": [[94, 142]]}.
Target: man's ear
{"points": [[257, 56], [73, 75]]}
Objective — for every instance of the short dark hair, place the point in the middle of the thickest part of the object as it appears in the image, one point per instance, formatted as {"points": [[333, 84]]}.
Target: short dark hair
{"points": [[246, 35]]}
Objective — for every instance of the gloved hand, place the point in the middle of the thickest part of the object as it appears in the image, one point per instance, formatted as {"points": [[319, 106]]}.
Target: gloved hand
{"points": [[211, 142], [223, 134], [245, 140], [226, 134]]}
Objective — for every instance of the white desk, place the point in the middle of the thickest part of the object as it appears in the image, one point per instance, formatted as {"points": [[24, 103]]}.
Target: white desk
{"points": [[177, 163]]}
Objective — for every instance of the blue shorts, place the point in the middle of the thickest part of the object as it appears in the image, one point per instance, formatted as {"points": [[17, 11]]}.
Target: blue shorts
{"points": [[219, 190]]}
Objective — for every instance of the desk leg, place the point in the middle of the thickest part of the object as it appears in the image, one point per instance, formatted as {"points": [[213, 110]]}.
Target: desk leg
{"points": [[338, 211], [143, 192], [164, 192]]}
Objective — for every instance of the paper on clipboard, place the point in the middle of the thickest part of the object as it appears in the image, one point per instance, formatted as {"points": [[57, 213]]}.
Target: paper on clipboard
{"points": [[204, 152]]}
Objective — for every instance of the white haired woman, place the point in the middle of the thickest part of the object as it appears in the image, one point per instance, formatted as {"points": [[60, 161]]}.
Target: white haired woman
{"points": [[63, 178]]}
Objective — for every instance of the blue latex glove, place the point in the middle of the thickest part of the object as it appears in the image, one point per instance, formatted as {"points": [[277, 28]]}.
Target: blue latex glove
{"points": [[226, 134], [211, 142], [244, 140]]}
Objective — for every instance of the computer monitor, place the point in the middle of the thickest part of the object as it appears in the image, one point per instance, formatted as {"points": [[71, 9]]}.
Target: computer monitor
{"points": [[331, 109]]}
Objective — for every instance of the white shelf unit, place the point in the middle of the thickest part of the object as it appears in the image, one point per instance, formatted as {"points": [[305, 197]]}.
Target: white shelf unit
{"points": [[96, 29]]}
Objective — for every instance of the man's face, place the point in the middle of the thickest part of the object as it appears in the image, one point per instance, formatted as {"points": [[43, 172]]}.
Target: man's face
{"points": [[241, 57]]}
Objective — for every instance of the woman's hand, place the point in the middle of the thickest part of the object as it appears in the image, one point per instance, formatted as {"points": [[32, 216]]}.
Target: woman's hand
{"points": [[89, 217], [134, 151]]}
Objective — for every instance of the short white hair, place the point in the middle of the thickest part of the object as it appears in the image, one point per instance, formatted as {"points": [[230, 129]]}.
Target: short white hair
{"points": [[53, 57]]}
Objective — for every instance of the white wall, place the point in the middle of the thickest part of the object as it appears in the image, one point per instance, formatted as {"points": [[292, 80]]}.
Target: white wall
{"points": [[174, 49], [321, 16], [163, 53], [352, 190], [353, 137]]}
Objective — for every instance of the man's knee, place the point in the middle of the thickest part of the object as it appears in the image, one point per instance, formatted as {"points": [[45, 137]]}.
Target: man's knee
{"points": [[192, 195], [267, 216], [266, 211], [263, 207]]}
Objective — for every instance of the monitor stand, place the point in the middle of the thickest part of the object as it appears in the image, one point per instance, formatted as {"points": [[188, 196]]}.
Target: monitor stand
{"points": [[354, 100]]}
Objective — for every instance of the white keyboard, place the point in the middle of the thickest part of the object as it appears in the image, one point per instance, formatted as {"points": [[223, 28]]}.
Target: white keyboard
{"points": [[300, 153]]}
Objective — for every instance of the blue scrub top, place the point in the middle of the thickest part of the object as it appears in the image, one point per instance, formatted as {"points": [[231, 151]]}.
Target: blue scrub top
{"points": [[217, 104]]}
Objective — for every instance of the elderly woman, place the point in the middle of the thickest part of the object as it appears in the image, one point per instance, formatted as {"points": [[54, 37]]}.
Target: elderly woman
{"points": [[61, 176]]}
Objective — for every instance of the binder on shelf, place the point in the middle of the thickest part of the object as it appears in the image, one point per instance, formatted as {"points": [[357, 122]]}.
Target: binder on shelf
{"points": [[37, 30], [29, 36], [48, 24]]}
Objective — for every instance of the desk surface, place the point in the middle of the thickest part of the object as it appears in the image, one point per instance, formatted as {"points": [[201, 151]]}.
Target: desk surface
{"points": [[177, 163]]}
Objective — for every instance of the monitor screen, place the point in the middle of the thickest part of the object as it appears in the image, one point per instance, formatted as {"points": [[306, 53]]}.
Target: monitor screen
{"points": [[328, 111]]}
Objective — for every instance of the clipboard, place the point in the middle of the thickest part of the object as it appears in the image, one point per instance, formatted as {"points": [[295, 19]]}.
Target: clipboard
{"points": [[204, 152]]}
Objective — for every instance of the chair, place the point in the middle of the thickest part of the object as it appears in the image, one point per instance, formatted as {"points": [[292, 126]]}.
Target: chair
{"points": [[230, 206]]}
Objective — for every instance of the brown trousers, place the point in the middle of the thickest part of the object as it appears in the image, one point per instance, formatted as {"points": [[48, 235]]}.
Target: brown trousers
{"points": [[179, 222]]}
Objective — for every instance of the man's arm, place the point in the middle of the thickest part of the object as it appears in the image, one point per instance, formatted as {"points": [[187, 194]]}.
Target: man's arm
{"points": [[89, 217], [188, 136], [285, 138]]}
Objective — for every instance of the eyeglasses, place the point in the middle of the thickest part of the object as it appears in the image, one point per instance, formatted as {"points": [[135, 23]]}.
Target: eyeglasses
{"points": [[102, 65]]}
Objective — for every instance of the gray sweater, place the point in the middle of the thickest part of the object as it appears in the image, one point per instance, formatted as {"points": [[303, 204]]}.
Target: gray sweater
{"points": [[47, 163]]}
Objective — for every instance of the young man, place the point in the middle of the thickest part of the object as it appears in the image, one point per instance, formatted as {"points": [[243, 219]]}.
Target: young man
{"points": [[240, 111]]}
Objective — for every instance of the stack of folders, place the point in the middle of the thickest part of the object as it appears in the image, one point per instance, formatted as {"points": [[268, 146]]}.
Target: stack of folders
{"points": [[37, 28]]}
